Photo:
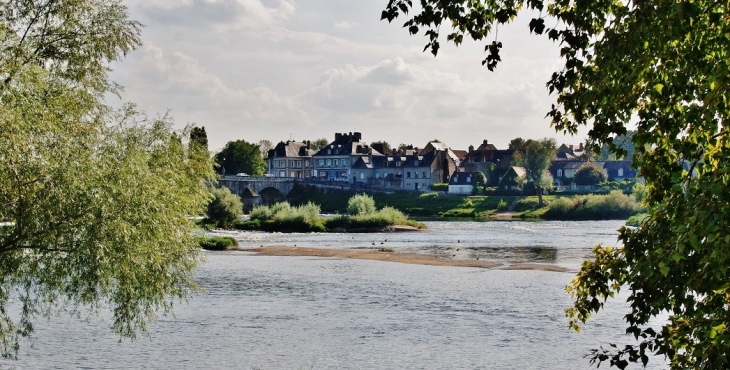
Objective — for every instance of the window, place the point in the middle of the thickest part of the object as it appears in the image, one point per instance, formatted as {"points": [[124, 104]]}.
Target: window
{"points": [[306, 163], [377, 175], [362, 175], [468, 180], [424, 174], [321, 162], [335, 162], [282, 173], [344, 162], [560, 173], [329, 151], [328, 163], [620, 172], [408, 175]]}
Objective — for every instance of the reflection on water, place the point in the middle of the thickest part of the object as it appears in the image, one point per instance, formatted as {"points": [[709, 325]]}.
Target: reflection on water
{"points": [[322, 313]]}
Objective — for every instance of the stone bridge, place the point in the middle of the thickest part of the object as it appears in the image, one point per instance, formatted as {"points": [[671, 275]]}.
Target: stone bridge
{"points": [[271, 189], [276, 189]]}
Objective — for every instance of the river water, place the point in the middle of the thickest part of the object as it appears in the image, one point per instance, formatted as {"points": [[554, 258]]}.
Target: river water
{"points": [[318, 313]]}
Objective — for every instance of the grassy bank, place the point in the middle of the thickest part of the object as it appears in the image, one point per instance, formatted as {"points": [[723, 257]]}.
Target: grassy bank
{"points": [[614, 205], [217, 243]]}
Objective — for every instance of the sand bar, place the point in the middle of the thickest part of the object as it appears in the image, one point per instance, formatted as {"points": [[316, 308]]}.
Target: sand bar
{"points": [[388, 256]]}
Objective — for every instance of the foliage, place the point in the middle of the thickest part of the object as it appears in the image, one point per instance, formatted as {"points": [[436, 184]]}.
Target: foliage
{"points": [[613, 206], [623, 141], [517, 144], [663, 66], [440, 187], [283, 217], [318, 144], [590, 174], [241, 156], [224, 208], [264, 147], [199, 140], [637, 219], [97, 203], [535, 159], [217, 243], [479, 184], [360, 205], [639, 192]]}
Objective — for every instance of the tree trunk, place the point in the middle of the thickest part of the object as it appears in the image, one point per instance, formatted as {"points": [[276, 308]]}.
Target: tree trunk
{"points": [[539, 196]]}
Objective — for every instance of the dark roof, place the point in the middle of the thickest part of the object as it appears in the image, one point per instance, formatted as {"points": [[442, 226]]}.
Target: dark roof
{"points": [[291, 149], [347, 143], [463, 178]]}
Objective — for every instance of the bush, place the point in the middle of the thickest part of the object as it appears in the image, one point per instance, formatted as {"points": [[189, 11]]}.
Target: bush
{"points": [[590, 174], [639, 191], [225, 208], [360, 204], [247, 225], [217, 243], [440, 187], [613, 206]]}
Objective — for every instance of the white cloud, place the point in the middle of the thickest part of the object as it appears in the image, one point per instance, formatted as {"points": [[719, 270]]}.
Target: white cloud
{"points": [[345, 24], [220, 15]]}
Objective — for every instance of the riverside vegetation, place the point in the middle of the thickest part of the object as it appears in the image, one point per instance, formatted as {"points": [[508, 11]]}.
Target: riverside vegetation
{"points": [[614, 205], [362, 215]]}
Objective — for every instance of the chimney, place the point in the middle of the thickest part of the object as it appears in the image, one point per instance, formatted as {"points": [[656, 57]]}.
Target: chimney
{"points": [[309, 144], [358, 137], [581, 146], [485, 142], [471, 148], [338, 136]]}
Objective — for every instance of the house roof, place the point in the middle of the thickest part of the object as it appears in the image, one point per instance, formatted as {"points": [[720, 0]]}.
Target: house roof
{"points": [[291, 149], [347, 144], [463, 178]]}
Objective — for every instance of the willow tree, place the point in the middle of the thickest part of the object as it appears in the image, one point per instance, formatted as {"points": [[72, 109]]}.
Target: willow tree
{"points": [[664, 67], [94, 203], [535, 158]]}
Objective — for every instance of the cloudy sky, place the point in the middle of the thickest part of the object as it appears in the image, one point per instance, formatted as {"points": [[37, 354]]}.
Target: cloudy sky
{"points": [[281, 69]]}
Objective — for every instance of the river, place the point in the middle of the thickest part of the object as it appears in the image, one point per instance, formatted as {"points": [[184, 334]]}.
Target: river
{"points": [[319, 313]]}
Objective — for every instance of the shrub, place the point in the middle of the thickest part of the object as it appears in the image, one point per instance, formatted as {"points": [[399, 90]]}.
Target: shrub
{"points": [[590, 174], [224, 208], [360, 204], [440, 187], [615, 205], [217, 243], [639, 191], [261, 213], [502, 205], [247, 225]]}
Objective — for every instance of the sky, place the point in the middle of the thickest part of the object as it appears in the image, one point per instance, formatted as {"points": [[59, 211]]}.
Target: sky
{"points": [[303, 70]]}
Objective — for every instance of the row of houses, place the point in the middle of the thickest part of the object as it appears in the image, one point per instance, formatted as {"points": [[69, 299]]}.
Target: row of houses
{"points": [[350, 159]]}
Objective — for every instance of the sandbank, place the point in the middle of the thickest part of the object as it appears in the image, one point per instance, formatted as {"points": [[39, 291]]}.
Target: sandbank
{"points": [[389, 256]]}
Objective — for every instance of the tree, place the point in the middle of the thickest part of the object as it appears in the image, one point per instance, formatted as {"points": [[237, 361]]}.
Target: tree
{"points": [[517, 143], [241, 156], [318, 144], [264, 146], [536, 158], [224, 208], [624, 142], [96, 203], [480, 183], [663, 67], [360, 205], [199, 138], [590, 174]]}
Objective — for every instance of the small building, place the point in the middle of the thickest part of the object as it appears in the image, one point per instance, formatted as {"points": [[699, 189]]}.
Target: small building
{"points": [[514, 179], [462, 182]]}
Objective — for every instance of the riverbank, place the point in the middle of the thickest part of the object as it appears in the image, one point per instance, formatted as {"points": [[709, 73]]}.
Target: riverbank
{"points": [[387, 255]]}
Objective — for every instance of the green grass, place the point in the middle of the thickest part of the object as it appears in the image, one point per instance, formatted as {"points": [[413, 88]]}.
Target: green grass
{"points": [[217, 243], [613, 206]]}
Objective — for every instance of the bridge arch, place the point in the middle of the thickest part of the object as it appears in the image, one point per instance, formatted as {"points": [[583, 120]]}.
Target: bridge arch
{"points": [[271, 195]]}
